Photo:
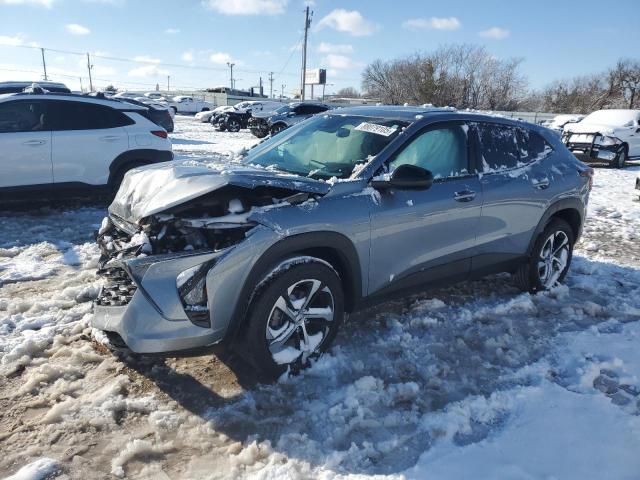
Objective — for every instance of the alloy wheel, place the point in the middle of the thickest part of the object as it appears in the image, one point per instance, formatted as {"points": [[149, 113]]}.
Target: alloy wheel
{"points": [[553, 259], [299, 321]]}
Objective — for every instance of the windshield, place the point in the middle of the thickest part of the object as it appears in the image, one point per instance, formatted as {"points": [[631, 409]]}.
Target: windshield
{"points": [[326, 146], [283, 109], [616, 118]]}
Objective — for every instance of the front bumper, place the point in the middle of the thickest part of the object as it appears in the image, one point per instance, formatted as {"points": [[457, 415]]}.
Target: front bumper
{"points": [[591, 151], [150, 317]]}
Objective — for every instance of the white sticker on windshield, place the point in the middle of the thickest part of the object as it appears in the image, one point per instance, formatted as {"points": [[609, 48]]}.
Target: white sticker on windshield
{"points": [[377, 129]]}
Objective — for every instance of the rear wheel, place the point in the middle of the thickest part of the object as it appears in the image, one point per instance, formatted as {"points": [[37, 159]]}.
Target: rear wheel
{"points": [[233, 125], [115, 182], [550, 258], [294, 316]]}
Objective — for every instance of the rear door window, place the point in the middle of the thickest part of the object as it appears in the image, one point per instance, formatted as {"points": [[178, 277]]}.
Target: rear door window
{"points": [[84, 116], [499, 147]]}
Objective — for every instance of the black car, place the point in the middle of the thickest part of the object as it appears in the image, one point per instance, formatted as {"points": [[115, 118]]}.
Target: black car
{"points": [[159, 116], [263, 124], [232, 121]]}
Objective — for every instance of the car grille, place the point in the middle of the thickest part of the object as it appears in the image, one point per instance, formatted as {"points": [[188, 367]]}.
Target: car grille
{"points": [[118, 288]]}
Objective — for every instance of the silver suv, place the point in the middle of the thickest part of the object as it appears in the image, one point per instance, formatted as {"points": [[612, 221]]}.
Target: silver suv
{"points": [[268, 252]]}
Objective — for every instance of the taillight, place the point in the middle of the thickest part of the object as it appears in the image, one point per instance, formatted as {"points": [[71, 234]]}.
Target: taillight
{"points": [[159, 133], [588, 172]]}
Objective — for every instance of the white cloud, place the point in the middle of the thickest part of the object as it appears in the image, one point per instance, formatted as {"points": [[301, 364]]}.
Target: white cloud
{"points": [[436, 23], [146, 59], [148, 71], [75, 29], [220, 58], [187, 56], [334, 48], [16, 41], [351, 22], [39, 3], [247, 7], [172, 31], [496, 33], [339, 62]]}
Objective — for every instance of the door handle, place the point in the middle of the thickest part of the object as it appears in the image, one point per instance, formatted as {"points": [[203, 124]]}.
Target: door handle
{"points": [[540, 184], [464, 196], [34, 142], [108, 138]]}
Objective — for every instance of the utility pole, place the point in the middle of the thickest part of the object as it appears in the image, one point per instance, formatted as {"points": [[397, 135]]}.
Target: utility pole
{"points": [[307, 24], [89, 67], [44, 65], [270, 84], [81, 84], [231, 65], [168, 89], [282, 91]]}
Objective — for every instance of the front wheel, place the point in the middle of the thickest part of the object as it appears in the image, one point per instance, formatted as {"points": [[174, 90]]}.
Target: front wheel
{"points": [[550, 258], [277, 128], [294, 316], [621, 158]]}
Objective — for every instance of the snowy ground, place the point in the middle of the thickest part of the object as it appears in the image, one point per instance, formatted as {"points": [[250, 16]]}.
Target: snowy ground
{"points": [[472, 381]]}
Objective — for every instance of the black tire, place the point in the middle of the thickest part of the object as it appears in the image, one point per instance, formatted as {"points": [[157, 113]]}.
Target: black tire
{"points": [[205, 109], [233, 126], [528, 276], [277, 128], [621, 158], [175, 110], [259, 132], [263, 311]]}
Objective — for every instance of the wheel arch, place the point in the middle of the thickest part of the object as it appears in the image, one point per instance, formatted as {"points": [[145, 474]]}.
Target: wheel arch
{"points": [[571, 210], [131, 158], [331, 247]]}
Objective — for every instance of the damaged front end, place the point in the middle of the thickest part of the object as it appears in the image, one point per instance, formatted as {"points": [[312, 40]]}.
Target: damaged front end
{"points": [[157, 271]]}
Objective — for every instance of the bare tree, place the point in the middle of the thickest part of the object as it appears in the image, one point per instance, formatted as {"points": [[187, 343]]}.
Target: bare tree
{"points": [[348, 92], [463, 76], [626, 75]]}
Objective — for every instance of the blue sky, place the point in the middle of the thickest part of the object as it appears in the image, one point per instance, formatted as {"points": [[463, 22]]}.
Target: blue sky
{"points": [[556, 38]]}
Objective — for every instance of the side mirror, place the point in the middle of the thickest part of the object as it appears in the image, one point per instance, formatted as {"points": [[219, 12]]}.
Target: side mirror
{"points": [[406, 177]]}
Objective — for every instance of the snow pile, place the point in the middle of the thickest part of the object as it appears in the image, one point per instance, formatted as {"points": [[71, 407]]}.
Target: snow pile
{"points": [[41, 469]]}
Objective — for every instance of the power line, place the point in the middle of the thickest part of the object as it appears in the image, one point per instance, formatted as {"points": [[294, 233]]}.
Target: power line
{"points": [[149, 62]]}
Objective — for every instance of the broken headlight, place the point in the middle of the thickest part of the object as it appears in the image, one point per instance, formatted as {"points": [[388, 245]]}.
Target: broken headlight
{"points": [[192, 288]]}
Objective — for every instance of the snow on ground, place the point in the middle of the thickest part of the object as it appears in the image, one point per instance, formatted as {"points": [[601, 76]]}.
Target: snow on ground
{"points": [[473, 380]]}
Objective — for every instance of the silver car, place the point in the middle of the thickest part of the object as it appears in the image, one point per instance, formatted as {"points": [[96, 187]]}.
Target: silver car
{"points": [[267, 253]]}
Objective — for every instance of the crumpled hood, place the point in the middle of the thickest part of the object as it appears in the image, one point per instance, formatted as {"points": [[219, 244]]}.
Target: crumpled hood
{"points": [[582, 127], [154, 188]]}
